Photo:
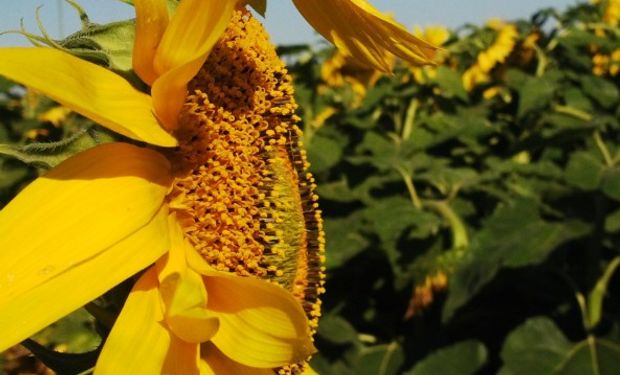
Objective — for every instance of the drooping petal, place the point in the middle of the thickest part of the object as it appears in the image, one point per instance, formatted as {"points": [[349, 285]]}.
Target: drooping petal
{"points": [[88, 89], [169, 92], [192, 32], [183, 292], [70, 217], [215, 362], [183, 358], [151, 22], [261, 324], [139, 342], [23, 315], [361, 31]]}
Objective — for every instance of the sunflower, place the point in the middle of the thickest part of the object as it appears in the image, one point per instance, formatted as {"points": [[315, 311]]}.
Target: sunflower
{"points": [[488, 59], [113, 210]]}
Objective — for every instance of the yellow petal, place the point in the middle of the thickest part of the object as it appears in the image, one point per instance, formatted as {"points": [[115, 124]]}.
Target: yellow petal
{"points": [[24, 314], [215, 362], [71, 216], [88, 89], [151, 22], [193, 31], [361, 31], [138, 343], [183, 358], [261, 324], [183, 292]]}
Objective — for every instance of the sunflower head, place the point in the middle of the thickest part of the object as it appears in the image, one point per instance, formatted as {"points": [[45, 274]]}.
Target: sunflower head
{"points": [[242, 190]]}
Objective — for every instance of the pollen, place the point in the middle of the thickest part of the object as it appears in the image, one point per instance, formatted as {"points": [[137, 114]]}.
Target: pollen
{"points": [[243, 191]]}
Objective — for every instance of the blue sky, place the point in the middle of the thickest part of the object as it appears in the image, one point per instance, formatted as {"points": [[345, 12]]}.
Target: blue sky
{"points": [[283, 22]]}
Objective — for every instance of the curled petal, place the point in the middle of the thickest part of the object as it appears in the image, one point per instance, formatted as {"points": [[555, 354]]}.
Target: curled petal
{"points": [[261, 324], [151, 23], [184, 293], [361, 31], [193, 31]]}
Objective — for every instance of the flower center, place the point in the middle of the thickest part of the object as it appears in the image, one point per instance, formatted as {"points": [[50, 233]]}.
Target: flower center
{"points": [[243, 192]]}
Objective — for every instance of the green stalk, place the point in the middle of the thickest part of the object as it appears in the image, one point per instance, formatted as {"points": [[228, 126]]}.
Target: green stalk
{"points": [[412, 110], [413, 194], [576, 113], [609, 161], [460, 239], [595, 298]]}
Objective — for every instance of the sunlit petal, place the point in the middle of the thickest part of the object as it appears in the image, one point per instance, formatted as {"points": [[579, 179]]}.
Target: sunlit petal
{"points": [[88, 89], [28, 312], [151, 22], [80, 208], [169, 92], [192, 32], [261, 324], [138, 343]]}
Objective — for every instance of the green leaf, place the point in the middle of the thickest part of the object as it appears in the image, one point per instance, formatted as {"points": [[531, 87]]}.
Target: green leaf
{"points": [[536, 93], [75, 332], [11, 174], [48, 155], [539, 347], [601, 90], [379, 360], [514, 236], [390, 217], [337, 330], [463, 358], [611, 183], [612, 222], [324, 152], [345, 240], [585, 171], [450, 81]]}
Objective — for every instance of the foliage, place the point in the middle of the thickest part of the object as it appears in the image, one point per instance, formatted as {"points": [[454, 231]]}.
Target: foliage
{"points": [[471, 209], [505, 184]]}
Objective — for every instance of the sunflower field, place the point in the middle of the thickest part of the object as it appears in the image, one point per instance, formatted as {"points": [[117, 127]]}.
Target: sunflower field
{"points": [[471, 209]]}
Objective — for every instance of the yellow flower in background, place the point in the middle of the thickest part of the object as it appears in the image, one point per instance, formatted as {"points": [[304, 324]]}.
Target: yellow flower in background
{"points": [[614, 66], [611, 14], [233, 199], [54, 116], [474, 76], [340, 69], [424, 294], [606, 64], [498, 52], [501, 48], [436, 35], [360, 31]]}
